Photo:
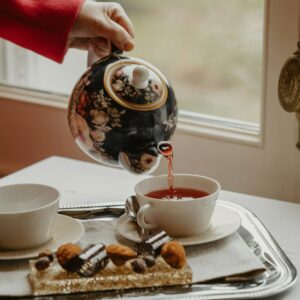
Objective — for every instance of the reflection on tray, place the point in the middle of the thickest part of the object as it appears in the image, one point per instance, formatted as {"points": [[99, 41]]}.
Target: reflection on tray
{"points": [[280, 273]]}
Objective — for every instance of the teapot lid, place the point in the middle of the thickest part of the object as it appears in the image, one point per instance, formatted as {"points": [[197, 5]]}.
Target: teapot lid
{"points": [[136, 84]]}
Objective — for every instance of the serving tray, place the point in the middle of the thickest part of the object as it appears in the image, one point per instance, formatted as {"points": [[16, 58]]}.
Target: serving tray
{"points": [[280, 273]]}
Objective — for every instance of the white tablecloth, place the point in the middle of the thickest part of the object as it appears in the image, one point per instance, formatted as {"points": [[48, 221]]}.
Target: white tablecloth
{"points": [[81, 180]]}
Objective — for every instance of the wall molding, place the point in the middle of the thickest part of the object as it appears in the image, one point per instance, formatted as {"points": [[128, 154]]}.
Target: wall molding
{"points": [[32, 96], [189, 123]]}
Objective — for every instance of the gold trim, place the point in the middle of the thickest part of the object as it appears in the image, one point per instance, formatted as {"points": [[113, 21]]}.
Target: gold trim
{"points": [[140, 107]]}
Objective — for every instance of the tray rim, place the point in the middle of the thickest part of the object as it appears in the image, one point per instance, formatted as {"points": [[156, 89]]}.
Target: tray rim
{"points": [[207, 294], [268, 239]]}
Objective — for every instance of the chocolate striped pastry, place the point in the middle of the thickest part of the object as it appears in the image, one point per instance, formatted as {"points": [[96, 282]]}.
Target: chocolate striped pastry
{"points": [[94, 270], [152, 245], [93, 259]]}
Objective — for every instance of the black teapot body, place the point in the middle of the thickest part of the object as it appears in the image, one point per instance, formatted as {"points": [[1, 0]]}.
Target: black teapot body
{"points": [[119, 111]]}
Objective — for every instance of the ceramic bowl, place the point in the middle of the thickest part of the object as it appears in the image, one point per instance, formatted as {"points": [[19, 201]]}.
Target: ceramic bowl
{"points": [[27, 215]]}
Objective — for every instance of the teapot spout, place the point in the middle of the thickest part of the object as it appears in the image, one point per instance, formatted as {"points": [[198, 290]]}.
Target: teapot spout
{"points": [[165, 148]]}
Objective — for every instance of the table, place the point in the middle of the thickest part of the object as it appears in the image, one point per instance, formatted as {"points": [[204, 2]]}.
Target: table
{"points": [[88, 182]]}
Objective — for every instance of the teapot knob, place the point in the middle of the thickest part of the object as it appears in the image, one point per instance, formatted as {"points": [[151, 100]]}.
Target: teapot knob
{"points": [[139, 77]]}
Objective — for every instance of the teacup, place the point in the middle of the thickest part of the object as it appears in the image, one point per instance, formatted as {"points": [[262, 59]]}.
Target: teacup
{"points": [[184, 217], [27, 215]]}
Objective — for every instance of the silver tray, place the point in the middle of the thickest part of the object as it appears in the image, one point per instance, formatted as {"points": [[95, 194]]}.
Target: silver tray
{"points": [[280, 273]]}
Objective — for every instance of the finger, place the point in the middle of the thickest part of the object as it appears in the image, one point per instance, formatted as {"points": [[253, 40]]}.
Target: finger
{"points": [[116, 34], [100, 53], [126, 24], [79, 43], [92, 57], [101, 49], [117, 14], [100, 43], [88, 43]]}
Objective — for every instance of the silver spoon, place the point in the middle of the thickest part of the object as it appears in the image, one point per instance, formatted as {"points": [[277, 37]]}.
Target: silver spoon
{"points": [[132, 206], [130, 209]]}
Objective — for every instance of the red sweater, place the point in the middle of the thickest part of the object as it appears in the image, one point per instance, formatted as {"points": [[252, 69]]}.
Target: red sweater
{"points": [[39, 25]]}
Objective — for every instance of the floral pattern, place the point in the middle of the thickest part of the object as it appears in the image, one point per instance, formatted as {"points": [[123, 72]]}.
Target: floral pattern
{"points": [[120, 83], [139, 163], [102, 117], [170, 123], [96, 112], [113, 134]]}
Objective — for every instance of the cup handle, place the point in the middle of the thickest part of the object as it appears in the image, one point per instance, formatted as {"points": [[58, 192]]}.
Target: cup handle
{"points": [[141, 217]]}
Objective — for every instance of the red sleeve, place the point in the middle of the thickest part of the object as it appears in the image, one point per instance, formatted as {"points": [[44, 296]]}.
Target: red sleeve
{"points": [[39, 25]]}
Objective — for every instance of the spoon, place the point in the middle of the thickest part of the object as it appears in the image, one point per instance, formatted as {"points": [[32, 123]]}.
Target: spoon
{"points": [[132, 206]]}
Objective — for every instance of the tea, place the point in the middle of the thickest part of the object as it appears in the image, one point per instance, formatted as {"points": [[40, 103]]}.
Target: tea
{"points": [[166, 149], [177, 193]]}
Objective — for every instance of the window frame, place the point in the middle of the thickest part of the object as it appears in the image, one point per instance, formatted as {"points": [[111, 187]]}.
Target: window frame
{"points": [[270, 170], [197, 124]]}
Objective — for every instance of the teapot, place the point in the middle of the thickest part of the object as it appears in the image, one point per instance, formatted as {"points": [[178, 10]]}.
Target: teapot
{"points": [[120, 109]]}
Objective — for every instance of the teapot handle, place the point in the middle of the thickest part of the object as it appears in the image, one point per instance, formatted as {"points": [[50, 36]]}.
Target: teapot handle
{"points": [[114, 50], [93, 57]]}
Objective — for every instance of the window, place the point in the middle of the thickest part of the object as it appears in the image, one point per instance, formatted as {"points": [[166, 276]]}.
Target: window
{"points": [[210, 50], [270, 168]]}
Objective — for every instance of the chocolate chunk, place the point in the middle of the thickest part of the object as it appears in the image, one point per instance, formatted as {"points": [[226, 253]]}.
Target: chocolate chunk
{"points": [[42, 263], [47, 253], [152, 245], [138, 265], [92, 260], [149, 260]]}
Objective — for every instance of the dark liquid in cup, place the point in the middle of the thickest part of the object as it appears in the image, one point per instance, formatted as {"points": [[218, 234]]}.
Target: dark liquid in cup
{"points": [[177, 193], [172, 193]]}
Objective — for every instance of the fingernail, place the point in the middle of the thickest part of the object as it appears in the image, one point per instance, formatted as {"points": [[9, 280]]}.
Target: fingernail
{"points": [[128, 45]]}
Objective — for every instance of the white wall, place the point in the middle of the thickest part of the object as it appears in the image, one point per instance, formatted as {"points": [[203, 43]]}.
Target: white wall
{"points": [[30, 132]]}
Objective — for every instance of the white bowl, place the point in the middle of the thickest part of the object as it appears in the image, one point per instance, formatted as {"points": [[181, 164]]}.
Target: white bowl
{"points": [[27, 215]]}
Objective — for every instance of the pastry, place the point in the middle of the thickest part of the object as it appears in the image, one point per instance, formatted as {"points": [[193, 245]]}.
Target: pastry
{"points": [[93, 270]]}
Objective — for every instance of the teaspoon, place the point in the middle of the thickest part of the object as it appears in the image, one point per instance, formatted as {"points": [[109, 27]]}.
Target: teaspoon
{"points": [[132, 206]]}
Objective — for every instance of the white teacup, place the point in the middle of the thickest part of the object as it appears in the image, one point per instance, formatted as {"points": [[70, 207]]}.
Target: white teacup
{"points": [[185, 217], [27, 215]]}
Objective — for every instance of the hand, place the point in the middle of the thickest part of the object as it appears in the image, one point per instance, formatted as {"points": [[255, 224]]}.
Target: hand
{"points": [[98, 24]]}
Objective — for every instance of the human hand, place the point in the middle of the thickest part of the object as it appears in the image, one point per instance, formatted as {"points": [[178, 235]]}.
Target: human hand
{"points": [[98, 24]]}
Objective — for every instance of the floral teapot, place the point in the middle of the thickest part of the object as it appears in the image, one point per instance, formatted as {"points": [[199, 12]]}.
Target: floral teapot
{"points": [[120, 109]]}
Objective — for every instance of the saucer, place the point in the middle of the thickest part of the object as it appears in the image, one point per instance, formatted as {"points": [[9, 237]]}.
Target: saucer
{"points": [[224, 222], [66, 230]]}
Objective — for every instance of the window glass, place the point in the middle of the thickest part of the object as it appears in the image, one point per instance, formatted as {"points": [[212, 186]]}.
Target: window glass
{"points": [[210, 51]]}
